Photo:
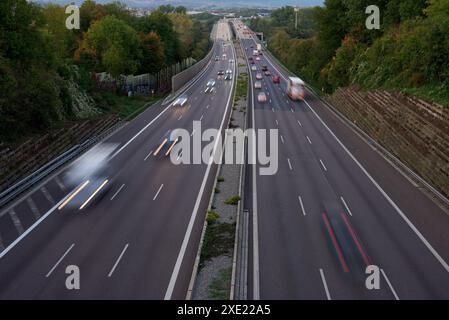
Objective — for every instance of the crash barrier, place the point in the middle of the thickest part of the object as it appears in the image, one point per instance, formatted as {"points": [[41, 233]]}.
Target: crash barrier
{"points": [[21, 162]]}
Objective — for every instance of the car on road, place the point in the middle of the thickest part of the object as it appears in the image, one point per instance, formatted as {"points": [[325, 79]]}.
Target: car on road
{"points": [[228, 75], [90, 178], [224, 56], [210, 83], [259, 76], [257, 58], [252, 61], [268, 73], [167, 143], [276, 79], [229, 71], [258, 85], [217, 58], [210, 86], [231, 60], [220, 72], [180, 101], [264, 67], [262, 97], [254, 68]]}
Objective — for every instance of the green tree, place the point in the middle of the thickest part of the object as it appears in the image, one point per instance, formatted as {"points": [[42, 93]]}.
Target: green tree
{"points": [[160, 23], [115, 45]]}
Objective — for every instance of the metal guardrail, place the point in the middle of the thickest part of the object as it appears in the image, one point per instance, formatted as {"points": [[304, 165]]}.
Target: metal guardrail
{"points": [[25, 184]]}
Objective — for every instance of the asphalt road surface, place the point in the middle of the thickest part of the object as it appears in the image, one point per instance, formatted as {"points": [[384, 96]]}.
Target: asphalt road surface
{"points": [[334, 207], [140, 239]]}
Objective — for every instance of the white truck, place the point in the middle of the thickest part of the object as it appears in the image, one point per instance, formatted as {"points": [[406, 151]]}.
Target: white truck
{"points": [[295, 89], [259, 47]]}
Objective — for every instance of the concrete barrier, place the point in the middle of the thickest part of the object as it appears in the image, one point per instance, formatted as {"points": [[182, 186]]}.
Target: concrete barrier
{"points": [[179, 80]]}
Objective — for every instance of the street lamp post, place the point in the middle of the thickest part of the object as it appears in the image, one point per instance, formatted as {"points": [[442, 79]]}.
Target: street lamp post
{"points": [[296, 17]]}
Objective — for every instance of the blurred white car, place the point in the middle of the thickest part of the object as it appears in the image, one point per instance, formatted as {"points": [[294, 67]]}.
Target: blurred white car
{"points": [[89, 178], [258, 85], [180, 101], [254, 68], [262, 97]]}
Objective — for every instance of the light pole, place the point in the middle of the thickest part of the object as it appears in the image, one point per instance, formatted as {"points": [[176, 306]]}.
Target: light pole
{"points": [[296, 17]]}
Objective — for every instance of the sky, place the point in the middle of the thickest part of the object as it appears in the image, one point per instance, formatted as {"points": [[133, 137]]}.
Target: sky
{"points": [[200, 3]]}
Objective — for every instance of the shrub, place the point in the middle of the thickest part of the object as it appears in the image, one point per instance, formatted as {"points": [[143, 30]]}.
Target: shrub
{"points": [[234, 200]]}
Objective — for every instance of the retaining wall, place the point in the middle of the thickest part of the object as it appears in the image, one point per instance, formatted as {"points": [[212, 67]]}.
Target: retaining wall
{"points": [[415, 131]]}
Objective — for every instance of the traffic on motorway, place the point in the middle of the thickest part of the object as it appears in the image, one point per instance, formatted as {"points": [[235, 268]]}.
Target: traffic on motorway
{"points": [[322, 215], [324, 227]]}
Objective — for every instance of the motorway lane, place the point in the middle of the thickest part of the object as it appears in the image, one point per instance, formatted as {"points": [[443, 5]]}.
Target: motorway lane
{"points": [[151, 230], [389, 242], [301, 237]]}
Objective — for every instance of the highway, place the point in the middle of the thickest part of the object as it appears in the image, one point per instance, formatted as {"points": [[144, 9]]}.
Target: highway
{"points": [[140, 239], [334, 207]]}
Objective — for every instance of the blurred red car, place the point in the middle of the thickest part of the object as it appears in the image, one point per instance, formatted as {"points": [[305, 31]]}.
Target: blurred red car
{"points": [[276, 79]]}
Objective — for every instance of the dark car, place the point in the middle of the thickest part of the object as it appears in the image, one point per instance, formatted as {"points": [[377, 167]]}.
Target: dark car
{"points": [[264, 68], [276, 79]]}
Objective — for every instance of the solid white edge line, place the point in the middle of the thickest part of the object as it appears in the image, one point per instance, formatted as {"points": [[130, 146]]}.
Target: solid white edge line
{"points": [[328, 295], [177, 267], [31, 228], [118, 260], [59, 261], [256, 268], [115, 194], [389, 284]]}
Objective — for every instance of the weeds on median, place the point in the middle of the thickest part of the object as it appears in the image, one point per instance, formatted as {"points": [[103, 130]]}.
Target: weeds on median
{"points": [[234, 200], [220, 286]]}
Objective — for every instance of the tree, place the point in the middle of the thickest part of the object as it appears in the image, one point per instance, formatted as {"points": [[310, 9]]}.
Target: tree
{"points": [[182, 25], [64, 41], [116, 46], [160, 23], [153, 53]]}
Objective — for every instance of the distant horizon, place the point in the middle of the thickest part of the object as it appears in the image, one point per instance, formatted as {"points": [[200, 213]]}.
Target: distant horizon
{"points": [[200, 4]]}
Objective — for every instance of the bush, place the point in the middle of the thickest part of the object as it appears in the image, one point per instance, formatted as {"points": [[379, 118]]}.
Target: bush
{"points": [[212, 217], [234, 200]]}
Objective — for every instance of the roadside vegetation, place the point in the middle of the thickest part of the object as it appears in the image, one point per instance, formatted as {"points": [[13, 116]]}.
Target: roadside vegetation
{"points": [[44, 66], [242, 87], [332, 47]]}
